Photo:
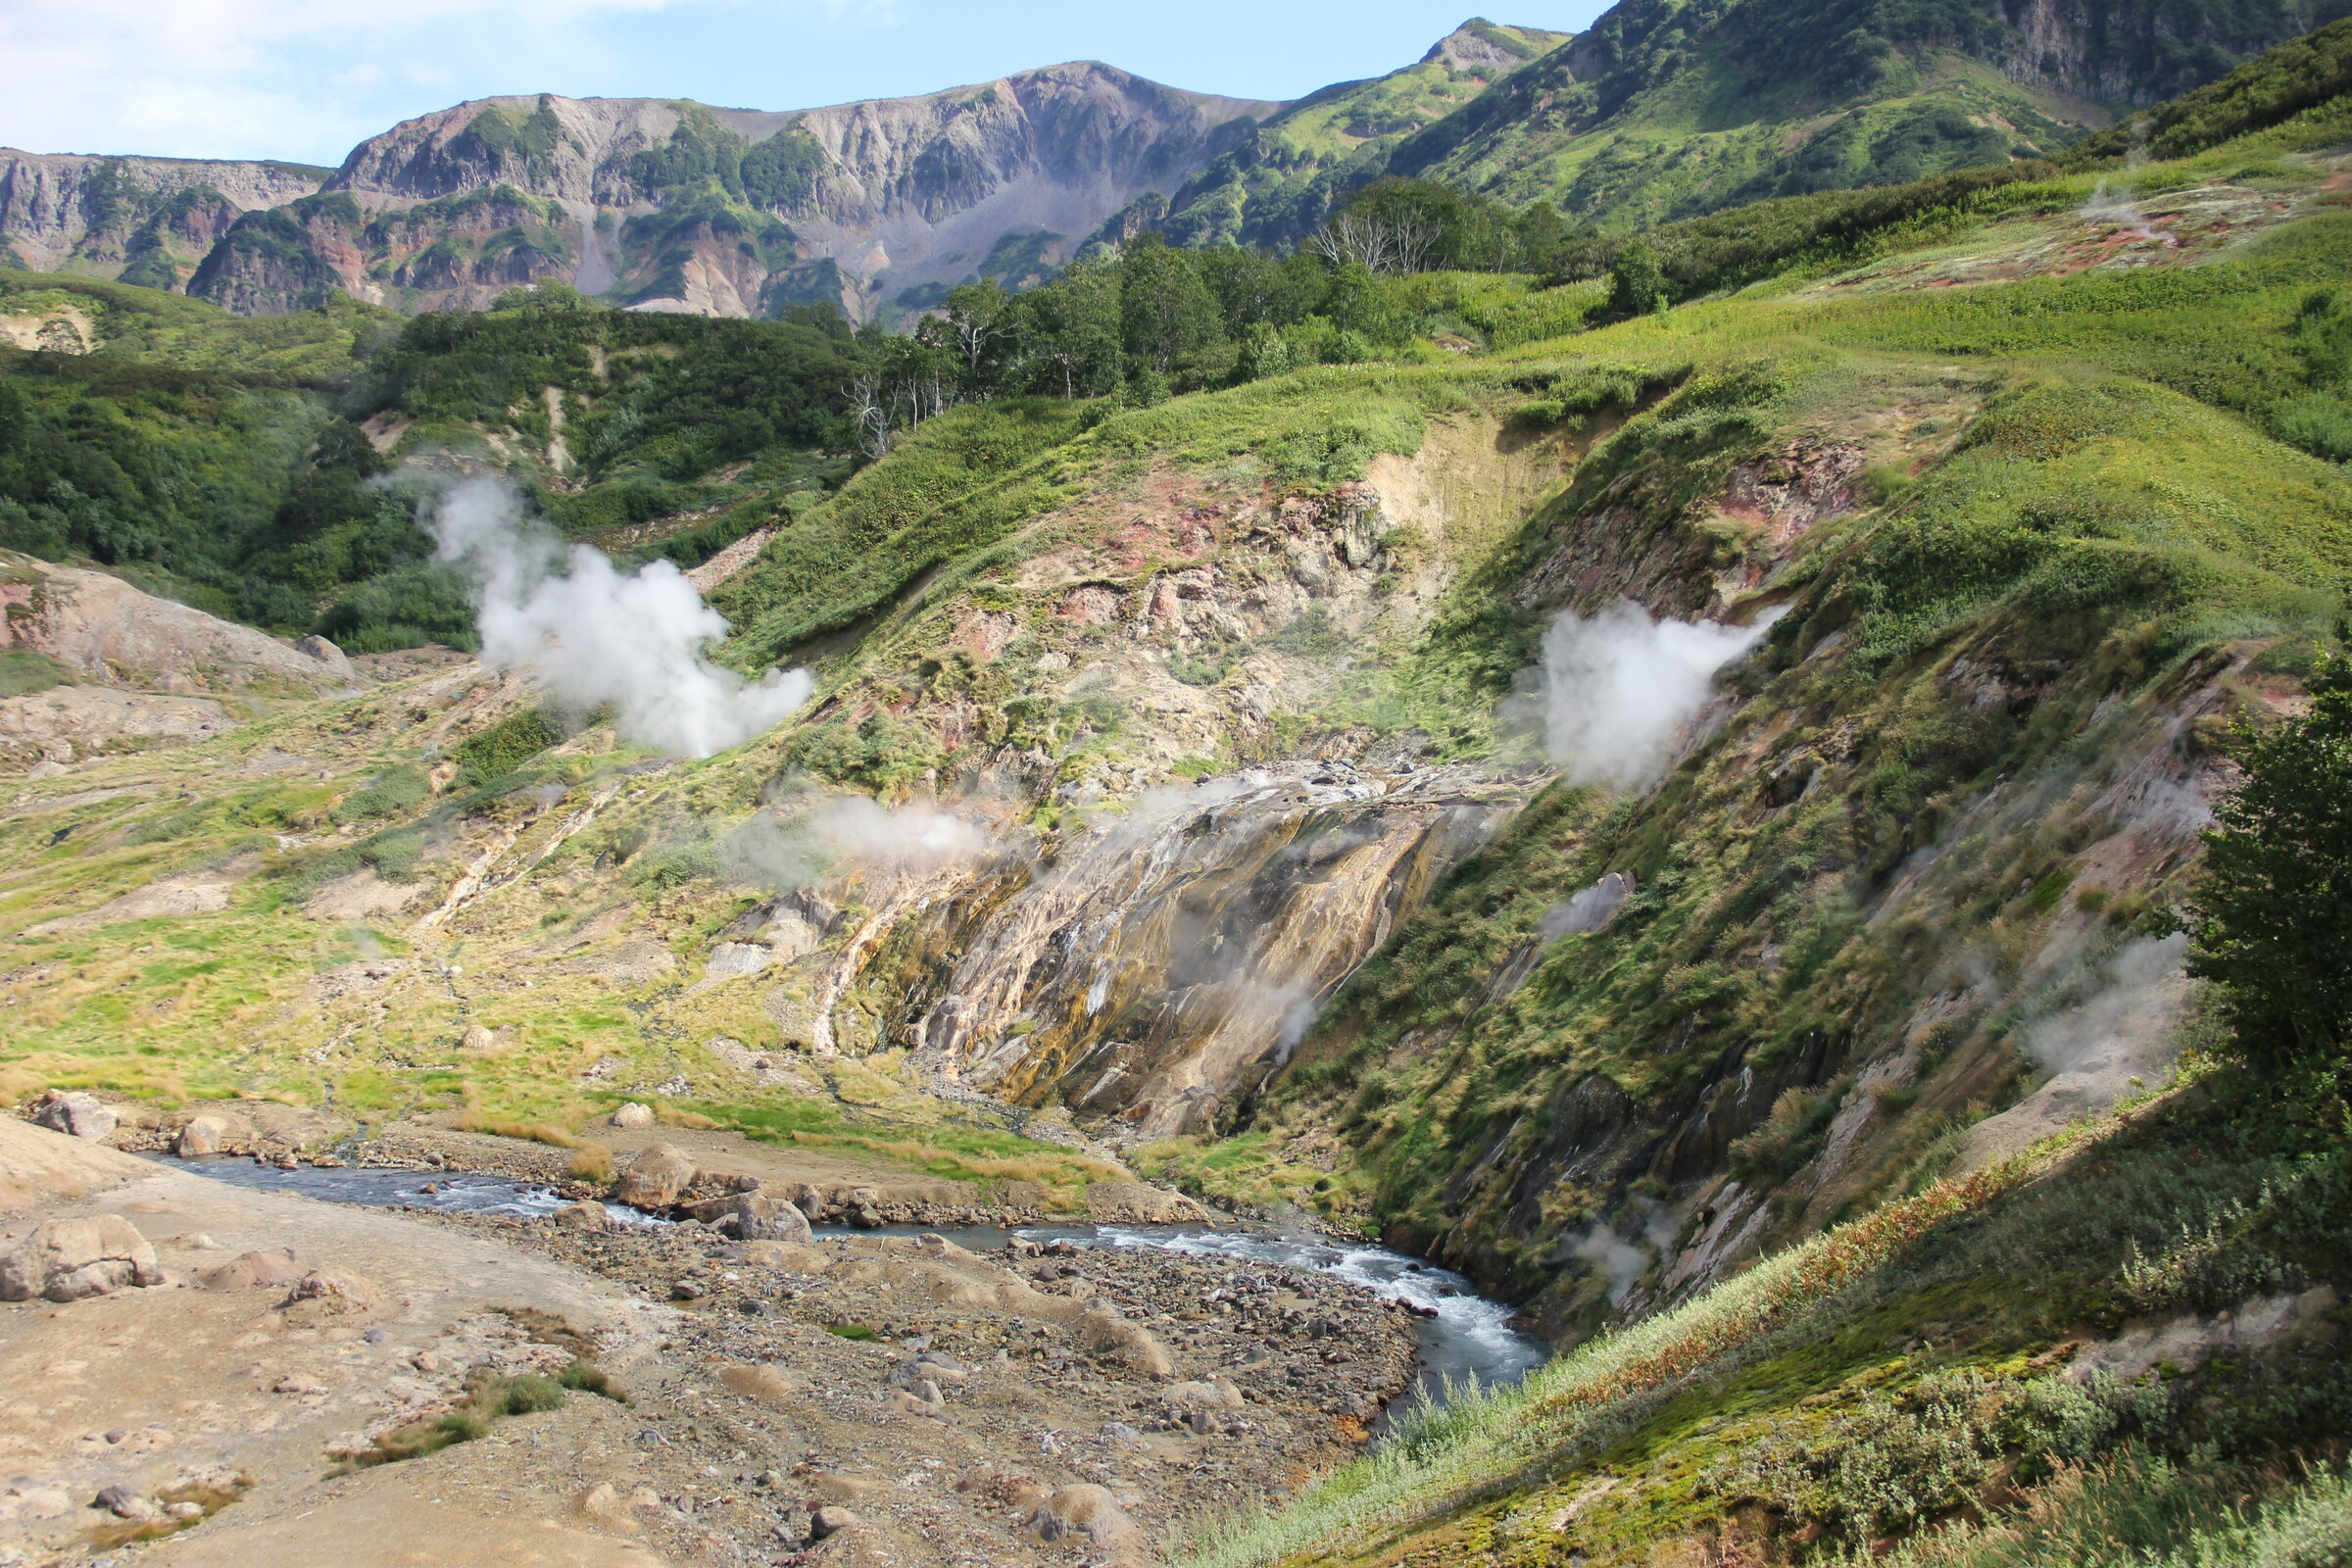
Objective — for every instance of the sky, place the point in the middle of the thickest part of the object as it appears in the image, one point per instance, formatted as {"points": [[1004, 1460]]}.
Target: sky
{"points": [[305, 79]]}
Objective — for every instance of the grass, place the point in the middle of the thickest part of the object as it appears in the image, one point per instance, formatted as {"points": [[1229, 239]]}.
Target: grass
{"points": [[486, 1401], [1812, 1406]]}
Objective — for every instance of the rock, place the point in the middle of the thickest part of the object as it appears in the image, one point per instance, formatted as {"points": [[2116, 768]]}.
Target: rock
{"points": [[632, 1114], [585, 1215], [336, 1291], [758, 1217], [1085, 1509], [831, 1520], [689, 1290], [124, 1504], [478, 1039], [71, 1111], [1213, 1394], [770, 1385], [1106, 1333], [66, 1259], [249, 1271], [605, 1507], [655, 1177], [317, 647], [202, 1136]]}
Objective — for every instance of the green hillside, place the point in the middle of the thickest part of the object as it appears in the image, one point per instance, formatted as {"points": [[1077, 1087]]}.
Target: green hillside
{"points": [[1665, 109], [1280, 184]]}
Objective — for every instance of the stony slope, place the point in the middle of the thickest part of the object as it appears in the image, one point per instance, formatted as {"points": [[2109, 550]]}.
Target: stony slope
{"points": [[1128, 731]]}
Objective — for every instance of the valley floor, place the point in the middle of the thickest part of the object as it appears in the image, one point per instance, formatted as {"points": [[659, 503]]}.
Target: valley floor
{"points": [[1066, 1406]]}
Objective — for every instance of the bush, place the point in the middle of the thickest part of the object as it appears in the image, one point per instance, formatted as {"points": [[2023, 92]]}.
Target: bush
{"points": [[388, 795]]}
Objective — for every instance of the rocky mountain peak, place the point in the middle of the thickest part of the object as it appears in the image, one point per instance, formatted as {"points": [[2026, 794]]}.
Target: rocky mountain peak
{"points": [[1480, 48]]}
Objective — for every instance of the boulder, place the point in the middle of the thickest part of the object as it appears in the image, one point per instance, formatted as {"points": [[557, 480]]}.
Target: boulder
{"points": [[606, 1508], [1211, 1394], [251, 1271], [202, 1136], [831, 1520], [66, 1259], [1103, 1332], [477, 1039], [319, 649], [336, 1291], [656, 1179], [632, 1114], [64, 1110], [1083, 1510], [124, 1504], [585, 1215], [758, 1217]]}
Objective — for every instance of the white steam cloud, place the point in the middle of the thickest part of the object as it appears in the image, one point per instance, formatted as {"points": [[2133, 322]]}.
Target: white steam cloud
{"points": [[1623, 1260], [1616, 689], [2124, 1027], [593, 637], [914, 838]]}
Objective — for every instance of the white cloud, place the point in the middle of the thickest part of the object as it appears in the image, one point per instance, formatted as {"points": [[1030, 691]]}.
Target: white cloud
{"points": [[242, 78]]}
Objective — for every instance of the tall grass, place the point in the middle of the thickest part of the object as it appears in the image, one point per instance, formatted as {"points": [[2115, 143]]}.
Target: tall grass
{"points": [[2142, 1511], [1441, 1457]]}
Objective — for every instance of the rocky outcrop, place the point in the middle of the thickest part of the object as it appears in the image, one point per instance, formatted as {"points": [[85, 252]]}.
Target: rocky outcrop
{"points": [[1147, 970], [135, 670], [68, 1260]]}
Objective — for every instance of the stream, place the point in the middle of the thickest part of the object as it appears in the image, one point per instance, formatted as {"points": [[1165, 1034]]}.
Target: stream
{"points": [[1470, 1339]]}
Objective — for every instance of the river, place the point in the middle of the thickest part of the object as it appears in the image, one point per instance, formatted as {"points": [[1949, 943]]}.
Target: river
{"points": [[1469, 1339]]}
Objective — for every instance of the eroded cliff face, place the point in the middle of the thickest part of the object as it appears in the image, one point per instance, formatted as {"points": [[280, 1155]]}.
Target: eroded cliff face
{"points": [[665, 205], [678, 206], [72, 213], [1152, 970]]}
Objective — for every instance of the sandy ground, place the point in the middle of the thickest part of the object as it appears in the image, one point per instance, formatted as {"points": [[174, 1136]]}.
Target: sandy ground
{"points": [[970, 1409]]}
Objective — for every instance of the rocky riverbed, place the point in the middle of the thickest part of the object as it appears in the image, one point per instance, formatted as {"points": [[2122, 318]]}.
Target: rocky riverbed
{"points": [[866, 1399]]}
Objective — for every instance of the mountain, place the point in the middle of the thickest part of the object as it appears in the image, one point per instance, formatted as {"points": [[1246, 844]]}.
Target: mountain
{"points": [[1279, 183], [1668, 108], [146, 220], [681, 207], [1663, 109]]}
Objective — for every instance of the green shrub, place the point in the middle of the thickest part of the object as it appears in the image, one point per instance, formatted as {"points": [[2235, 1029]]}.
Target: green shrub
{"points": [[503, 747], [389, 794]]}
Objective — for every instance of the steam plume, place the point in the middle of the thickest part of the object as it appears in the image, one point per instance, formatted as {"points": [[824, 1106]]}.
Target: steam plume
{"points": [[1617, 689], [593, 637], [908, 838]]}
